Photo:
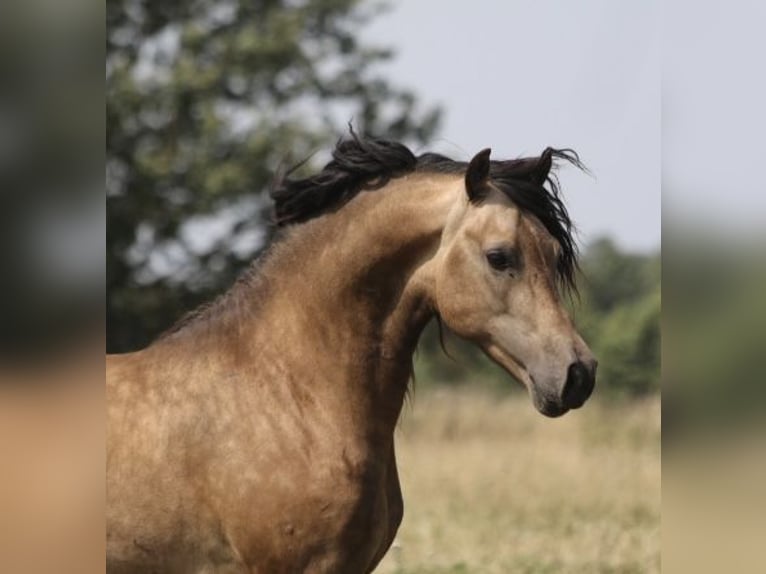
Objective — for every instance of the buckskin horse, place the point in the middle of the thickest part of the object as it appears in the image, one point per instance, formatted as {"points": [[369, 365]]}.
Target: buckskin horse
{"points": [[258, 434]]}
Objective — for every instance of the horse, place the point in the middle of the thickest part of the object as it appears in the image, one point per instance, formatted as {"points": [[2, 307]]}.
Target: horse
{"points": [[257, 435]]}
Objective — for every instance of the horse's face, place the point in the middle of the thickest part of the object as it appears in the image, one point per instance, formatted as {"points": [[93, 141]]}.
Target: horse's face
{"points": [[496, 285]]}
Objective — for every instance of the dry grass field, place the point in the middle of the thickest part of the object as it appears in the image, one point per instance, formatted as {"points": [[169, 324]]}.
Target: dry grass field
{"points": [[492, 486]]}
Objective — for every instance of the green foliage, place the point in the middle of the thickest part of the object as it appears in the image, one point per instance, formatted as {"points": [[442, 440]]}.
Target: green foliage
{"points": [[611, 278], [714, 368], [619, 316], [627, 343], [206, 101]]}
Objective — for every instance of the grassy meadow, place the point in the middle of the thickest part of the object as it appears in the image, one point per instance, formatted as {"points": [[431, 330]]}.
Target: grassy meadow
{"points": [[492, 486]]}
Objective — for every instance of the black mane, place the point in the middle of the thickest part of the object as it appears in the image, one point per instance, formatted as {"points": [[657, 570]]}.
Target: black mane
{"points": [[368, 163]]}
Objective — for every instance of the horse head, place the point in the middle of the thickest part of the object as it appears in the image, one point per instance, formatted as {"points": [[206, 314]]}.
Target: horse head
{"points": [[505, 256]]}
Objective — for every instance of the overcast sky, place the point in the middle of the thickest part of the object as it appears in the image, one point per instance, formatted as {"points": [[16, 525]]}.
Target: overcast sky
{"points": [[520, 76], [713, 115]]}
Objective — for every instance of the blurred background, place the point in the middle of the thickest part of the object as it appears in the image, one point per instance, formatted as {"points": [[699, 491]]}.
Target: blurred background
{"points": [[714, 283], [208, 100]]}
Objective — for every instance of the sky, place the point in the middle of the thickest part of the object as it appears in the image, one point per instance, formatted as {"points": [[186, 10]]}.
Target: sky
{"points": [[521, 76], [713, 120]]}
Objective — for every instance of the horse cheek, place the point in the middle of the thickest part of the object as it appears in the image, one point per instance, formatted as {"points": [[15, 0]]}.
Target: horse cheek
{"points": [[459, 295]]}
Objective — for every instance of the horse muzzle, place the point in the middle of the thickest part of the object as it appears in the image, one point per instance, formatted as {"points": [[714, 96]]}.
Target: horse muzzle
{"points": [[577, 388]]}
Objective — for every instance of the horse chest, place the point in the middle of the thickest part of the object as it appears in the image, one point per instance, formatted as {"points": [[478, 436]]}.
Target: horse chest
{"points": [[339, 521]]}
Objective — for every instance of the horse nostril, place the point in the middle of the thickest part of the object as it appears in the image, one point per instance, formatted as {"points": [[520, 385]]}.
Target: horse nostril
{"points": [[579, 384]]}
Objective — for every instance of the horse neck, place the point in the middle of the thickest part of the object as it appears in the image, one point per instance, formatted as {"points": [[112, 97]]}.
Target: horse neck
{"points": [[357, 291]]}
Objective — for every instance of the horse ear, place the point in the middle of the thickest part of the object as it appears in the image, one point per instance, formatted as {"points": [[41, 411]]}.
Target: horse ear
{"points": [[543, 167], [477, 175]]}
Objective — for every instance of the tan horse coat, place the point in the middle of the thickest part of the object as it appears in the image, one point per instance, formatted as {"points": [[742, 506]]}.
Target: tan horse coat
{"points": [[260, 436]]}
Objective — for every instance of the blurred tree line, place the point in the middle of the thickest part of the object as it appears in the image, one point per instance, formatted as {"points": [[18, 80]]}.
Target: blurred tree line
{"points": [[619, 316], [714, 375], [617, 312], [207, 100]]}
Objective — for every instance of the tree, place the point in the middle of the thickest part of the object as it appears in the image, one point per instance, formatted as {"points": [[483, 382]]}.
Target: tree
{"points": [[619, 316], [206, 101]]}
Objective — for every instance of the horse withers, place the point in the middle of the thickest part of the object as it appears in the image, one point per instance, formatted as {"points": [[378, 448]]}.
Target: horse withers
{"points": [[258, 434]]}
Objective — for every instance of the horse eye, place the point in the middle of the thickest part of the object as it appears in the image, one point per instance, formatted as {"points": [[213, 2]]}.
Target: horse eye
{"points": [[501, 259]]}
